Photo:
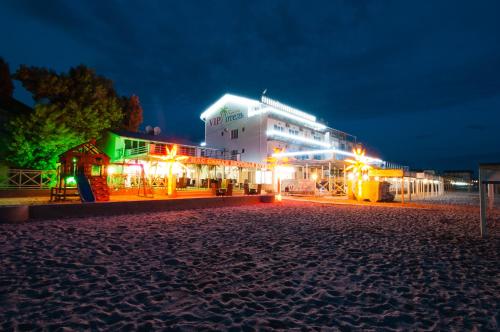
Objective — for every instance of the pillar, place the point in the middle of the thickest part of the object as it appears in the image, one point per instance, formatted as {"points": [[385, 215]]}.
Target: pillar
{"points": [[329, 176], [491, 195], [482, 206]]}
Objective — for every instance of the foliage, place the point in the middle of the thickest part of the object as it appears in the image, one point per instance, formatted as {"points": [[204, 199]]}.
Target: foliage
{"points": [[37, 139], [6, 85], [88, 103], [71, 108], [132, 113]]}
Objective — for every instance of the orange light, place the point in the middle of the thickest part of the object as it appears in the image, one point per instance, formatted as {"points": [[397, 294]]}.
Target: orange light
{"points": [[358, 169], [173, 161]]}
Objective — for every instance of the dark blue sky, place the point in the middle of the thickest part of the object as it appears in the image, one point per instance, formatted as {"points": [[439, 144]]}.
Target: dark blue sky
{"points": [[418, 82]]}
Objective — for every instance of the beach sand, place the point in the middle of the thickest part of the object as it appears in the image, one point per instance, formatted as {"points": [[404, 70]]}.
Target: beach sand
{"points": [[279, 266]]}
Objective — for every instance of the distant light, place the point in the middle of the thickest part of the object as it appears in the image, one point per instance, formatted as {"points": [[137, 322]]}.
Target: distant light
{"points": [[459, 183], [203, 144], [314, 176]]}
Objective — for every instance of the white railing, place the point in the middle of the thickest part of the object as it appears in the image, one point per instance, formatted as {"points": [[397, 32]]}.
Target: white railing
{"points": [[137, 151], [27, 179]]}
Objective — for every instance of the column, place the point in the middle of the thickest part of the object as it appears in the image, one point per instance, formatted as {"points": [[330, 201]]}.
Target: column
{"points": [[482, 205], [491, 195]]}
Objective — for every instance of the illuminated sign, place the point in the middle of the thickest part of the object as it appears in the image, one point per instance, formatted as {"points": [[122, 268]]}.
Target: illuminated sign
{"points": [[226, 115], [222, 162]]}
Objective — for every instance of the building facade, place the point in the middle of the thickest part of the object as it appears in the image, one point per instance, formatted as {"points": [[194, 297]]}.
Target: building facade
{"points": [[252, 129], [142, 157]]}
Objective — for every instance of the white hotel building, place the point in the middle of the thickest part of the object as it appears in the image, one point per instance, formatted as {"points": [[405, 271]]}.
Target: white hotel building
{"points": [[250, 130]]}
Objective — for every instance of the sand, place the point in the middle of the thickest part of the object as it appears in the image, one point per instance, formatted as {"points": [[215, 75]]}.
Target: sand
{"points": [[282, 266]]}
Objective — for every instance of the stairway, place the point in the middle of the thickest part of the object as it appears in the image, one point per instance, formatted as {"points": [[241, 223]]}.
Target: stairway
{"points": [[99, 188]]}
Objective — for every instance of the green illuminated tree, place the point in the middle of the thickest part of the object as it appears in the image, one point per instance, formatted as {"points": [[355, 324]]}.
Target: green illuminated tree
{"points": [[71, 108], [37, 139], [88, 102]]}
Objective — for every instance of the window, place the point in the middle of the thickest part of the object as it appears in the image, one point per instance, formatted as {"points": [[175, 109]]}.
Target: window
{"points": [[222, 133], [293, 132], [242, 150], [243, 129], [278, 128], [132, 144], [234, 134]]}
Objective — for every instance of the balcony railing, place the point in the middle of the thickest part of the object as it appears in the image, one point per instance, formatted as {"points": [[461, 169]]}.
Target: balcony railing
{"points": [[141, 150], [183, 150]]}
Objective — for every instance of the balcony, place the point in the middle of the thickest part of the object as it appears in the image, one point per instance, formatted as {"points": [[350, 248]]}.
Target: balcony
{"points": [[159, 149]]}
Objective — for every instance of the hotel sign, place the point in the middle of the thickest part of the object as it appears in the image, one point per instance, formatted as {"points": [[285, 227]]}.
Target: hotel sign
{"points": [[225, 115]]}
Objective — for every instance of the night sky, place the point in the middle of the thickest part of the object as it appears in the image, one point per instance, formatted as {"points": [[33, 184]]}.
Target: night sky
{"points": [[418, 82]]}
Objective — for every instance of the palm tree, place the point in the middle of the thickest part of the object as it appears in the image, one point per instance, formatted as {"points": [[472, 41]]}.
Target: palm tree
{"points": [[172, 160], [358, 169]]}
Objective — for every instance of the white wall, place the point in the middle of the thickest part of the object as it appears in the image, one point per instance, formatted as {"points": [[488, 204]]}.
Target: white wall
{"points": [[252, 139]]}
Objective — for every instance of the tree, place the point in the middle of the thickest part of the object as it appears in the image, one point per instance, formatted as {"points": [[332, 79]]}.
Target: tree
{"points": [[37, 139], [71, 109], [88, 102], [6, 85], [132, 113]]}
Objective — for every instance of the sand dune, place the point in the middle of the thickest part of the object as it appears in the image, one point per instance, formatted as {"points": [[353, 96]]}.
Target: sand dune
{"points": [[263, 266]]}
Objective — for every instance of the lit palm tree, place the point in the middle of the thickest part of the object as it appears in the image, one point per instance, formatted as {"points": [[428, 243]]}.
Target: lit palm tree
{"points": [[172, 160], [358, 169], [274, 162]]}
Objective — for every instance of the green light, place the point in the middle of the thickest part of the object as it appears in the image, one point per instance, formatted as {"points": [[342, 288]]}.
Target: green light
{"points": [[71, 180], [75, 160]]}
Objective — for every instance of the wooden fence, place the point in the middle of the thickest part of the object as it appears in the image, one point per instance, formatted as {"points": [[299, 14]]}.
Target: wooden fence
{"points": [[27, 179]]}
